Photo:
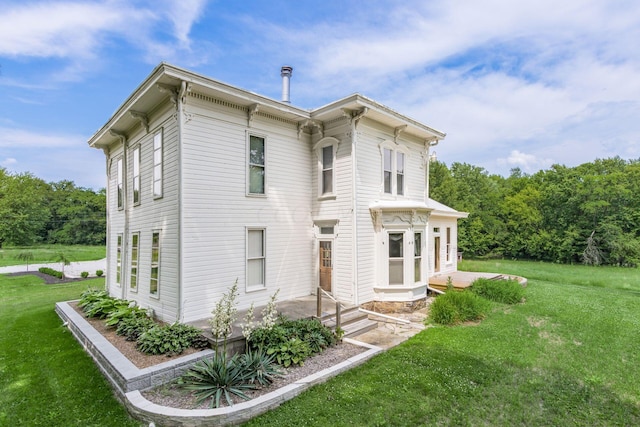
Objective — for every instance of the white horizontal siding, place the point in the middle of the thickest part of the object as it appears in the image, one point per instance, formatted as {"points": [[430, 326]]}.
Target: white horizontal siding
{"points": [[216, 209]]}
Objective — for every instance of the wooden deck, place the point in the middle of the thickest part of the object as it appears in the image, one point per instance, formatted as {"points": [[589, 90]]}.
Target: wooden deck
{"points": [[460, 279]]}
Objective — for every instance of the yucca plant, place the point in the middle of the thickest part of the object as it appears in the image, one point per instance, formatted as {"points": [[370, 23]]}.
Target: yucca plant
{"points": [[259, 367], [217, 377]]}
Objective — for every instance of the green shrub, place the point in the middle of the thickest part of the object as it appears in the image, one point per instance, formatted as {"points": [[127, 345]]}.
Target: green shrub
{"points": [[99, 273], [170, 339], [84, 274], [51, 272], [456, 307], [503, 291], [292, 341], [217, 377], [132, 327]]}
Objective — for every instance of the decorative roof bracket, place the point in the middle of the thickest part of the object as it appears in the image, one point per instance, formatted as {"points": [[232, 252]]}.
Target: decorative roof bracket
{"points": [[253, 110], [310, 125], [120, 135], [397, 131], [171, 90], [141, 117]]}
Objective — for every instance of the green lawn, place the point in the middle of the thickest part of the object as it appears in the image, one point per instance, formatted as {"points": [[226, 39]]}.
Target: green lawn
{"points": [[50, 253], [46, 378], [568, 356]]}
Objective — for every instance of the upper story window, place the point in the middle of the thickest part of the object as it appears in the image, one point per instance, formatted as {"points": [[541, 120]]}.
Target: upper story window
{"points": [[119, 184], [393, 171], [136, 175], [256, 165], [326, 150], [157, 164], [327, 170]]}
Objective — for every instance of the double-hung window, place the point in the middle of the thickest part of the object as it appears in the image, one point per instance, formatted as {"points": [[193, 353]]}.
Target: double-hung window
{"points": [[417, 257], [136, 175], [327, 169], [119, 184], [135, 246], [256, 165], [393, 167], [157, 164], [256, 257], [119, 259], [396, 258], [448, 256], [154, 281]]}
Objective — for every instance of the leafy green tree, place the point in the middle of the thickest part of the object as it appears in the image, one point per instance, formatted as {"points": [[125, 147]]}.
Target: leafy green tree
{"points": [[23, 208], [78, 215]]}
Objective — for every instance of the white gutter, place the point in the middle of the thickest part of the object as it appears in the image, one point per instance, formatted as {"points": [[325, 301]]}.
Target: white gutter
{"points": [[354, 194]]}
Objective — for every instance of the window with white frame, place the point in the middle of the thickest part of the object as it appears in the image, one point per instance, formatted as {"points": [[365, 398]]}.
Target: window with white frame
{"points": [[154, 279], [118, 259], [393, 171], [119, 184], [328, 157], [157, 164], [399, 173], [417, 257], [257, 170], [448, 256], [256, 258], [135, 246], [396, 258], [136, 175]]}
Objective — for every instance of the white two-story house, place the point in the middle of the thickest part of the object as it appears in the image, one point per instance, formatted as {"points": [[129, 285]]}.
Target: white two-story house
{"points": [[209, 184]]}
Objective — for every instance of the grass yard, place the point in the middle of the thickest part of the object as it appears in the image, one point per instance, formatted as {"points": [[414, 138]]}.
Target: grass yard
{"points": [[49, 253], [569, 356], [46, 378]]}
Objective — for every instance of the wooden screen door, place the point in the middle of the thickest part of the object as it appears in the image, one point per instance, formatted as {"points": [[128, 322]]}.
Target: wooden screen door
{"points": [[326, 265], [436, 254]]}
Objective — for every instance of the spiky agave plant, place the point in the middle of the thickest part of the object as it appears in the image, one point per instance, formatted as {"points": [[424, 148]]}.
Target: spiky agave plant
{"points": [[217, 377]]}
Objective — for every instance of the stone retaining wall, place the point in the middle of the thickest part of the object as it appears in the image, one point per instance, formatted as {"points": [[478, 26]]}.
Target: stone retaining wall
{"points": [[123, 375]]}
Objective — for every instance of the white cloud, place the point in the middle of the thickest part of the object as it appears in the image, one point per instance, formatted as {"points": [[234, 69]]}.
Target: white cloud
{"points": [[8, 162], [20, 138], [79, 33]]}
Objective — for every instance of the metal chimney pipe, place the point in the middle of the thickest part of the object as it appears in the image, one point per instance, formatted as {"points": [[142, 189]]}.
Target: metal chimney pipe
{"points": [[286, 72]]}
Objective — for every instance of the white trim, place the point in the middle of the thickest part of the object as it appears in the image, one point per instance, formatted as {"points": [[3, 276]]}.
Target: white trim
{"points": [[156, 295], [394, 150]]}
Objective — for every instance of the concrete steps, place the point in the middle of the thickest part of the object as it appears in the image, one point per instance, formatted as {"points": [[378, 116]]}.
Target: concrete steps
{"points": [[352, 321]]}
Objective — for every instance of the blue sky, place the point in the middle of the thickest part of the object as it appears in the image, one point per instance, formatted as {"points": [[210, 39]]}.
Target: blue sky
{"points": [[525, 83]]}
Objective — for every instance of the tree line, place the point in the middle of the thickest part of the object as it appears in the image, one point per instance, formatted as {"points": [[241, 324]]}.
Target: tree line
{"points": [[35, 212], [584, 214]]}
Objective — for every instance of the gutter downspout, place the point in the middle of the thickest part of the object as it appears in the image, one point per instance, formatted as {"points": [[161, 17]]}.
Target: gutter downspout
{"points": [[125, 208], [428, 143], [184, 88], [355, 119]]}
